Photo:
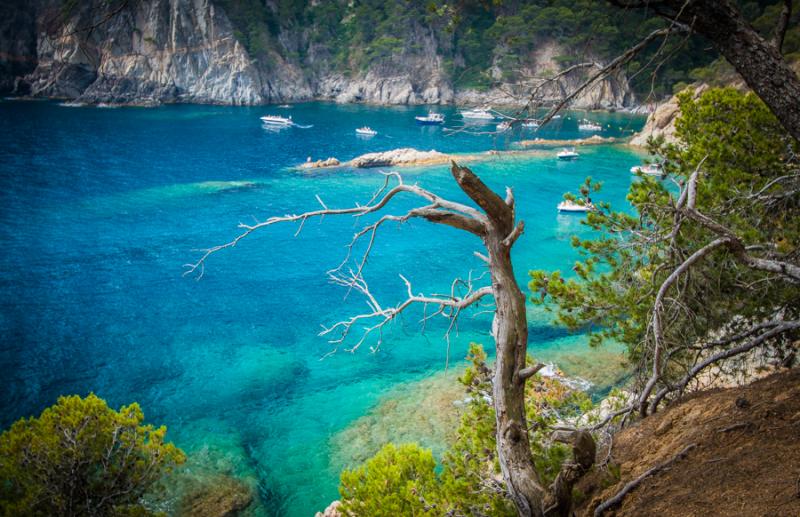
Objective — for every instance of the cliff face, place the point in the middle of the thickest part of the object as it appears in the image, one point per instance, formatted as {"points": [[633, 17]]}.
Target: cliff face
{"points": [[163, 51], [149, 52]]}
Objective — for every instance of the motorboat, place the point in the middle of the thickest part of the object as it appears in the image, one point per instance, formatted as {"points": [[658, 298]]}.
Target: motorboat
{"points": [[477, 114], [571, 206], [430, 119], [567, 154], [366, 131], [650, 169], [277, 120], [531, 124], [588, 125], [504, 126]]}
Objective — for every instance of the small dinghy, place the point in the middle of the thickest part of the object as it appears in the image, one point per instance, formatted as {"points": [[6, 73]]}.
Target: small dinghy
{"points": [[567, 154], [366, 131]]}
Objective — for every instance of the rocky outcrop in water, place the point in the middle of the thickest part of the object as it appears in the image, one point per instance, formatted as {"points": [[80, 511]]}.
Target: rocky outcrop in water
{"points": [[395, 158], [164, 51]]}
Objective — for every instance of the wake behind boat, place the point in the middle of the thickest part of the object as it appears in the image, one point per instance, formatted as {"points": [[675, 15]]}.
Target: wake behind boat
{"points": [[277, 122], [430, 119]]}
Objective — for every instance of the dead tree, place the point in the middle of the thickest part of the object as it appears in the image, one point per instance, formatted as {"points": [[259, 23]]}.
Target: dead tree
{"points": [[494, 222]]}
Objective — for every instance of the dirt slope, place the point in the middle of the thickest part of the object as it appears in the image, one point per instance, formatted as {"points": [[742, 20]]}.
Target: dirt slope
{"points": [[746, 462]]}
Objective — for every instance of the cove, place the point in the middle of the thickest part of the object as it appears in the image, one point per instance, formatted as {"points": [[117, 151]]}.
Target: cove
{"points": [[101, 208]]}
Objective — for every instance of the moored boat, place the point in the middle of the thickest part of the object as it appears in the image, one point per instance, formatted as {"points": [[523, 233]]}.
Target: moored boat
{"points": [[531, 124], [477, 114], [504, 126], [572, 207], [650, 169], [277, 120], [588, 125], [430, 119], [567, 154], [366, 131]]}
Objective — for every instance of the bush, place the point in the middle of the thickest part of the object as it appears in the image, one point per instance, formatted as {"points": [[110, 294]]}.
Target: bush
{"points": [[79, 457], [391, 483]]}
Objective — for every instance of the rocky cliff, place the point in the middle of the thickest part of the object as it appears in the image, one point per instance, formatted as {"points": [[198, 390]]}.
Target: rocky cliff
{"points": [[149, 52]]}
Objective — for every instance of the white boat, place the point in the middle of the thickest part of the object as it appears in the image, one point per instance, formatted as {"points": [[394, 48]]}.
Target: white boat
{"points": [[276, 120], [430, 119], [504, 126], [588, 125], [651, 169], [531, 124], [567, 154], [284, 106], [366, 131], [477, 114], [573, 207]]}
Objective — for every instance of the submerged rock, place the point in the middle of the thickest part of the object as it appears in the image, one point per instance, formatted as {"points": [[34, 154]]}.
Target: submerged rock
{"points": [[592, 140], [223, 496]]}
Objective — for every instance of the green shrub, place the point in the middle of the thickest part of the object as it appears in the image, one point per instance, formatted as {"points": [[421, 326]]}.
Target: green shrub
{"points": [[79, 457]]}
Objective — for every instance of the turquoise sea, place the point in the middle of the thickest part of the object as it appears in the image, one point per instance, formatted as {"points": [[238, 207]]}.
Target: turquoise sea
{"points": [[101, 208]]}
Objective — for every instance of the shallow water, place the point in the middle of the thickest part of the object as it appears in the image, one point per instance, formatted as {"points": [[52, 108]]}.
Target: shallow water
{"points": [[100, 210]]}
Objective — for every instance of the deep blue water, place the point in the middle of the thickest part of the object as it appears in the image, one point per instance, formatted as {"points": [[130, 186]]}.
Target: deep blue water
{"points": [[101, 208]]}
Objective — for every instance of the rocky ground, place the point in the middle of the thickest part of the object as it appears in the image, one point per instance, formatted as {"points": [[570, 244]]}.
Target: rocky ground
{"points": [[745, 460]]}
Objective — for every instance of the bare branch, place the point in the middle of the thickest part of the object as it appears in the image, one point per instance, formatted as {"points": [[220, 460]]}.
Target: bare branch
{"points": [[617, 499], [656, 322], [783, 24]]}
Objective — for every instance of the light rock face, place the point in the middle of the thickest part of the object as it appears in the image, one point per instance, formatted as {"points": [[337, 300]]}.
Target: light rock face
{"points": [[399, 157], [661, 123], [331, 511], [151, 52], [164, 51], [612, 92]]}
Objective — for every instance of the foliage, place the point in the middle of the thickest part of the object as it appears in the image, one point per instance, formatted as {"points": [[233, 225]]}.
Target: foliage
{"points": [[402, 480], [477, 38], [747, 183], [79, 457], [390, 483]]}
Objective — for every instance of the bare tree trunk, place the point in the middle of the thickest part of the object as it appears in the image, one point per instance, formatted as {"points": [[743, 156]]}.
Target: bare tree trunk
{"points": [[510, 330]]}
